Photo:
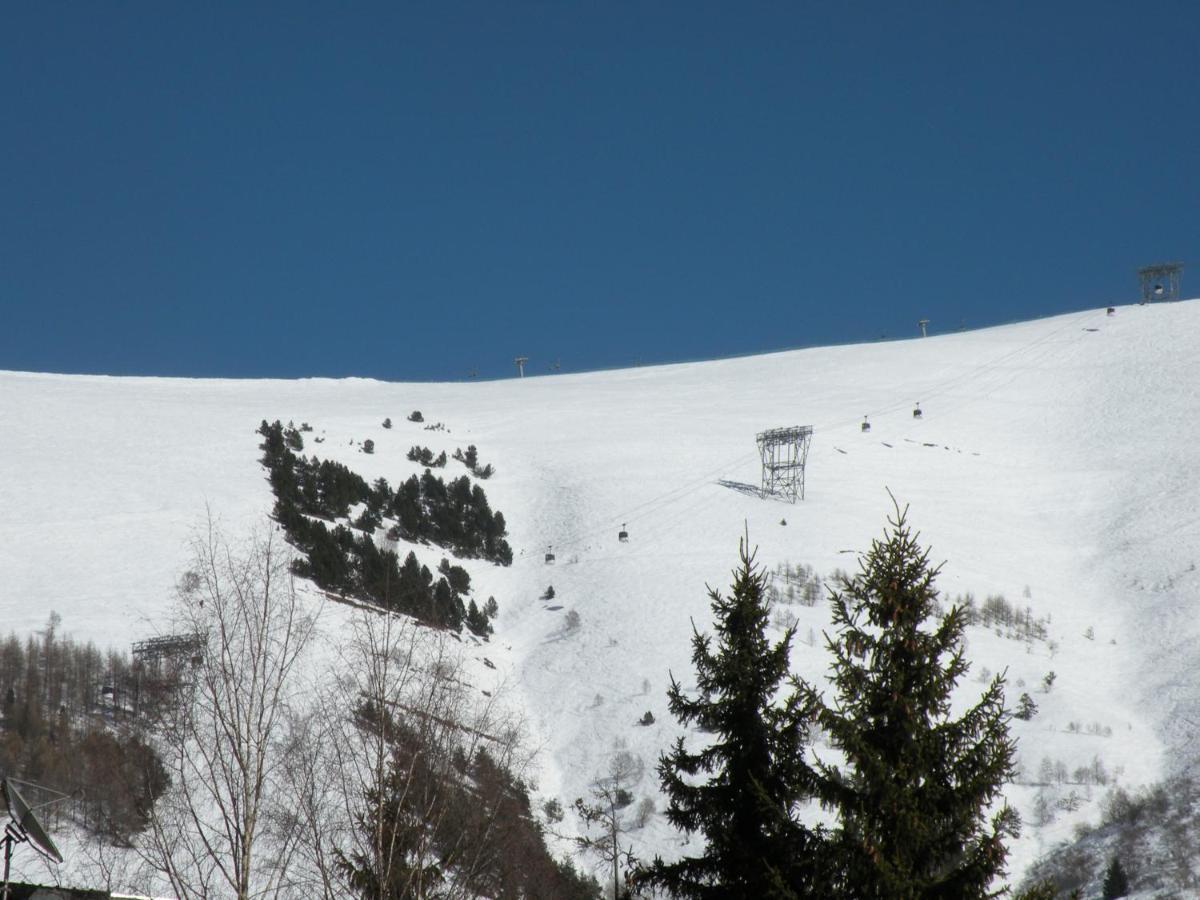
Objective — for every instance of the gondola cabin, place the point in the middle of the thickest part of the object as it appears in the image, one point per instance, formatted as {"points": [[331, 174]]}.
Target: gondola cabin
{"points": [[917, 414], [866, 426], [623, 535], [549, 556]]}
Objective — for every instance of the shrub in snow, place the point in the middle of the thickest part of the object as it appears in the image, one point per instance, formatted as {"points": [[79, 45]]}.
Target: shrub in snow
{"points": [[647, 719], [1116, 883], [1026, 708], [553, 810], [368, 446], [387, 423], [477, 622], [415, 416], [573, 621], [644, 811]]}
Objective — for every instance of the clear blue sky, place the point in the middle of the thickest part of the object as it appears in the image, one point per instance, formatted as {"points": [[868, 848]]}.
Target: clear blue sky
{"points": [[413, 191]]}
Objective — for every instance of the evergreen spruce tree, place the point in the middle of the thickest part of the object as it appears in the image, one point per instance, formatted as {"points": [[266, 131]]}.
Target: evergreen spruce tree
{"points": [[741, 791], [1116, 884], [913, 794]]}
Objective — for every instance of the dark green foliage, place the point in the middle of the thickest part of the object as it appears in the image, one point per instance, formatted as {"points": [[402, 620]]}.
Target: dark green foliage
{"points": [[459, 580], [368, 521], [368, 446], [477, 622], [470, 459], [491, 608], [1116, 884], [1026, 708], [913, 794], [293, 440], [426, 509], [422, 455], [647, 719], [415, 416], [387, 423], [742, 790], [425, 457]]}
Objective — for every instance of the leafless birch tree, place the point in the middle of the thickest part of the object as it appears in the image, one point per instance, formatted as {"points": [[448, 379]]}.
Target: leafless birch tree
{"points": [[224, 827]]}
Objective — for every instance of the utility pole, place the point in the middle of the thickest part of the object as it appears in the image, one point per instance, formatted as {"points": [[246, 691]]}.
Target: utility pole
{"points": [[520, 361], [923, 323]]}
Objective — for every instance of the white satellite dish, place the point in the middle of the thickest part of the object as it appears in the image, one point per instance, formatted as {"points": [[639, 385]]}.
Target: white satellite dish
{"points": [[23, 827]]}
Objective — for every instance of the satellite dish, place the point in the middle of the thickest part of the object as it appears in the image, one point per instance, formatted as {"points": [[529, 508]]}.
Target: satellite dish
{"points": [[25, 822]]}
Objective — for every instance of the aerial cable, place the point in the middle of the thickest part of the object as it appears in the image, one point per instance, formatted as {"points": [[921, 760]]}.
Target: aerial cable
{"points": [[683, 491]]}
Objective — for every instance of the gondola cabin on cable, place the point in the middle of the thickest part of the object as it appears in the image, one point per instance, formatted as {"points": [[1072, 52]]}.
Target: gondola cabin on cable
{"points": [[917, 414], [549, 556], [623, 535], [866, 426]]}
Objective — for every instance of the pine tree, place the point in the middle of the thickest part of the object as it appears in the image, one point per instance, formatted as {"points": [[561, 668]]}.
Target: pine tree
{"points": [[741, 791], [913, 794], [1116, 884]]}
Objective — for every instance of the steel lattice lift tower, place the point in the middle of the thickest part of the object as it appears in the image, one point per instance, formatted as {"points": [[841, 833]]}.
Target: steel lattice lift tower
{"points": [[1160, 282], [784, 452]]}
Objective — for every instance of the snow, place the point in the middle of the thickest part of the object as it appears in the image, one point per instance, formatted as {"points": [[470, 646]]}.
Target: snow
{"points": [[1058, 456]]}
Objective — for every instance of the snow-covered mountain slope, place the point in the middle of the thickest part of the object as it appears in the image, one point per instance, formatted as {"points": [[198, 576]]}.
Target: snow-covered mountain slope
{"points": [[1056, 464]]}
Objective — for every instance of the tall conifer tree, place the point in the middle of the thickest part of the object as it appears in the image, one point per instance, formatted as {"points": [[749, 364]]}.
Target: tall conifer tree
{"points": [[740, 793], [913, 794]]}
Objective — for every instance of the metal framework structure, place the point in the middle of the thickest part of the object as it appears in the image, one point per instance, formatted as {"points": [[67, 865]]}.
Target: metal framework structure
{"points": [[784, 452], [171, 646], [1160, 282]]}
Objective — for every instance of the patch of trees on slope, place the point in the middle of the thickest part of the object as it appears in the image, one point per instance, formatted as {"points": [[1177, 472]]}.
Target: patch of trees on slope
{"points": [[68, 722], [311, 494]]}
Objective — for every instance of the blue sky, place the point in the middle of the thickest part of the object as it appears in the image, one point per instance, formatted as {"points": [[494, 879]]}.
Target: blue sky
{"points": [[421, 191]]}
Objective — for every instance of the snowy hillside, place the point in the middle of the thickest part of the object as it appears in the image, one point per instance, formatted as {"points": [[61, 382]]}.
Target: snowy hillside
{"points": [[1055, 464]]}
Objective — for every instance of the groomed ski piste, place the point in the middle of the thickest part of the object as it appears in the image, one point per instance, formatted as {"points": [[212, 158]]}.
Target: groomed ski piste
{"points": [[1056, 464]]}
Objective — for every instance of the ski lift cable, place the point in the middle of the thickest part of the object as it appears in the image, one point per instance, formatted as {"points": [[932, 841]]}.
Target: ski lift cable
{"points": [[1039, 348], [641, 510], [972, 374], [658, 502]]}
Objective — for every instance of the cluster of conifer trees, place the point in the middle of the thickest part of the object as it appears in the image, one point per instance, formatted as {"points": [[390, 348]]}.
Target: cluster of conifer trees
{"points": [[310, 494], [912, 788]]}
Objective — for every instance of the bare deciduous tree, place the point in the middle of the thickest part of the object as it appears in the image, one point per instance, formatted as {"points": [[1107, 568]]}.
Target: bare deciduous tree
{"points": [[225, 828], [406, 782], [605, 813]]}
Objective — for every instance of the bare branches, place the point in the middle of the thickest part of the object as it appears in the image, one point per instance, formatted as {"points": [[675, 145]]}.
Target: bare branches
{"points": [[215, 830]]}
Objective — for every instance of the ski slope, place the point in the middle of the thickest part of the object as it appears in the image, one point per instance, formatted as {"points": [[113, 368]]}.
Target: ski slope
{"points": [[1055, 464]]}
